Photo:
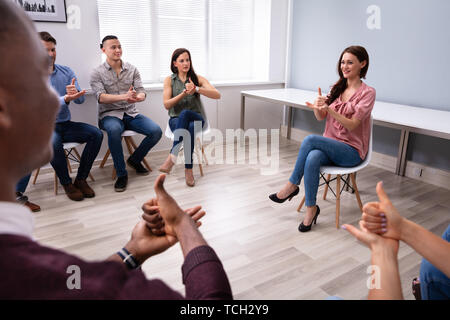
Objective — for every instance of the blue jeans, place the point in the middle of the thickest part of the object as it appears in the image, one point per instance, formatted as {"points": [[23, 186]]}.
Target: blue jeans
{"points": [[115, 127], [317, 151], [75, 132], [23, 183], [186, 121], [434, 285]]}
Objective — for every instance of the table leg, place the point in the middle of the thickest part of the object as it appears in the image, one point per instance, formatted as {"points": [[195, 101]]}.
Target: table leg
{"points": [[289, 122], [400, 151], [405, 149]]}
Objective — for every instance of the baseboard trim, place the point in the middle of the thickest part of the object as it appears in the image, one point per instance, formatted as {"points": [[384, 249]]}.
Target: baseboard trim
{"points": [[417, 171], [428, 174]]}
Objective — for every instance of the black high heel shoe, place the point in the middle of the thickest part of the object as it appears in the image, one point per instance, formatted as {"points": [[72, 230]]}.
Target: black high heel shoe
{"points": [[303, 228], [274, 197]]}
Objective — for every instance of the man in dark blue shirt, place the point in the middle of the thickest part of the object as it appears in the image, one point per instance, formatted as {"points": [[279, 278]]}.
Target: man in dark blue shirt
{"points": [[64, 81]]}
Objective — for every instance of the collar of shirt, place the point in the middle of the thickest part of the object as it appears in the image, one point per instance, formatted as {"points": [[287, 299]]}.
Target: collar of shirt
{"points": [[16, 219], [361, 88], [176, 77], [123, 67]]}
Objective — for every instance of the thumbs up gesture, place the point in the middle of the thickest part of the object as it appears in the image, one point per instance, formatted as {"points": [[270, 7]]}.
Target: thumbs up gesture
{"points": [[72, 92], [161, 221], [321, 99], [190, 87], [319, 103], [379, 218], [167, 212], [382, 217]]}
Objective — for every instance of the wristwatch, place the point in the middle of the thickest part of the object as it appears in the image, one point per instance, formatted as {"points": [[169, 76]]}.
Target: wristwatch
{"points": [[197, 89], [127, 258]]}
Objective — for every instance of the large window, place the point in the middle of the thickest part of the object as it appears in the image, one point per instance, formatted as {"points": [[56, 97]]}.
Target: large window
{"points": [[228, 39]]}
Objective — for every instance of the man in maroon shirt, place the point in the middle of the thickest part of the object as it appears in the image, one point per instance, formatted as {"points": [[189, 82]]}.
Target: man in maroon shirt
{"points": [[28, 108]]}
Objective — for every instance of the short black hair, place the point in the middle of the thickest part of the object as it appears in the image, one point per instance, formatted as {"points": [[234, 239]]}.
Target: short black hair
{"points": [[110, 37], [47, 37]]}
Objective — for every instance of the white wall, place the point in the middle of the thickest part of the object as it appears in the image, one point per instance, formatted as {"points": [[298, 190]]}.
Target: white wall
{"points": [[408, 61], [76, 47]]}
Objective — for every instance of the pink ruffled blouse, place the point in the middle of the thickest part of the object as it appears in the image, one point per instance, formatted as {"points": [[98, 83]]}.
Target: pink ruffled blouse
{"points": [[360, 106]]}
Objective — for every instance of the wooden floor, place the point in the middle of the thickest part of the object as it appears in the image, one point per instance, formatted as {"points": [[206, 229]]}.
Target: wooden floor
{"points": [[264, 255]]}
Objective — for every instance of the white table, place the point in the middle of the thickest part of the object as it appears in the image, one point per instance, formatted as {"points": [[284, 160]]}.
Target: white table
{"points": [[408, 119]]}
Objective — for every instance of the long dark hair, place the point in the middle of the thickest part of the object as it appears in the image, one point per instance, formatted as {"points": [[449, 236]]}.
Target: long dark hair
{"points": [[340, 86], [191, 73]]}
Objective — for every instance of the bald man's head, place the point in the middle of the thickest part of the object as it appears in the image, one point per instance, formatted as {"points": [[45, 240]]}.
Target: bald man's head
{"points": [[28, 105]]}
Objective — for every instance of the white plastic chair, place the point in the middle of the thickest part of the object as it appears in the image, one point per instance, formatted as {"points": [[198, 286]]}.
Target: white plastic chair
{"points": [[69, 147], [198, 143], [131, 146], [342, 171]]}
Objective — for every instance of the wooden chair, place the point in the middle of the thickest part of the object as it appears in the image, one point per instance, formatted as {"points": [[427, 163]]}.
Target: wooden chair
{"points": [[127, 135], [71, 154], [340, 172], [198, 143]]}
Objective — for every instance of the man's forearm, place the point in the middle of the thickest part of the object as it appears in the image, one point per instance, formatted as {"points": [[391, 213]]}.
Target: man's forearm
{"points": [[188, 235], [111, 98], [115, 257]]}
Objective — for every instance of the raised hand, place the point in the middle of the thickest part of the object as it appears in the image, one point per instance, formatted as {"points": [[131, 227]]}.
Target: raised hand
{"points": [[371, 239], [321, 100], [382, 217], [72, 92], [155, 222], [169, 210], [156, 232], [131, 95], [144, 243], [190, 87], [319, 103]]}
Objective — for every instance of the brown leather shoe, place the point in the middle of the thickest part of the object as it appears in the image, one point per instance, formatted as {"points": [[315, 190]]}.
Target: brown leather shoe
{"points": [[84, 188], [73, 192], [33, 207]]}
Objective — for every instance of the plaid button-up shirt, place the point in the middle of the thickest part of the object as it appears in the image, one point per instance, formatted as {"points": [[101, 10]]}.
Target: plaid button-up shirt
{"points": [[105, 80]]}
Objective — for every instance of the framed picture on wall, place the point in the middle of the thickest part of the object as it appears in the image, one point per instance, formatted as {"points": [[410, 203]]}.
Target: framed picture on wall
{"points": [[44, 10]]}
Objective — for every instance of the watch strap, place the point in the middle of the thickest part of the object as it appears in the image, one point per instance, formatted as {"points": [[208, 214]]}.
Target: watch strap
{"points": [[127, 258]]}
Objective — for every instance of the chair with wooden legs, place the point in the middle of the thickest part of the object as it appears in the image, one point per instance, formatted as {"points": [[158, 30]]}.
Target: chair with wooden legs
{"points": [[340, 173], [198, 144], [127, 135], [71, 154]]}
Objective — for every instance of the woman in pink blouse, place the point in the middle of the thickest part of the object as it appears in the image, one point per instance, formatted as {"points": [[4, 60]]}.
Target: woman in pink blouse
{"points": [[345, 141]]}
